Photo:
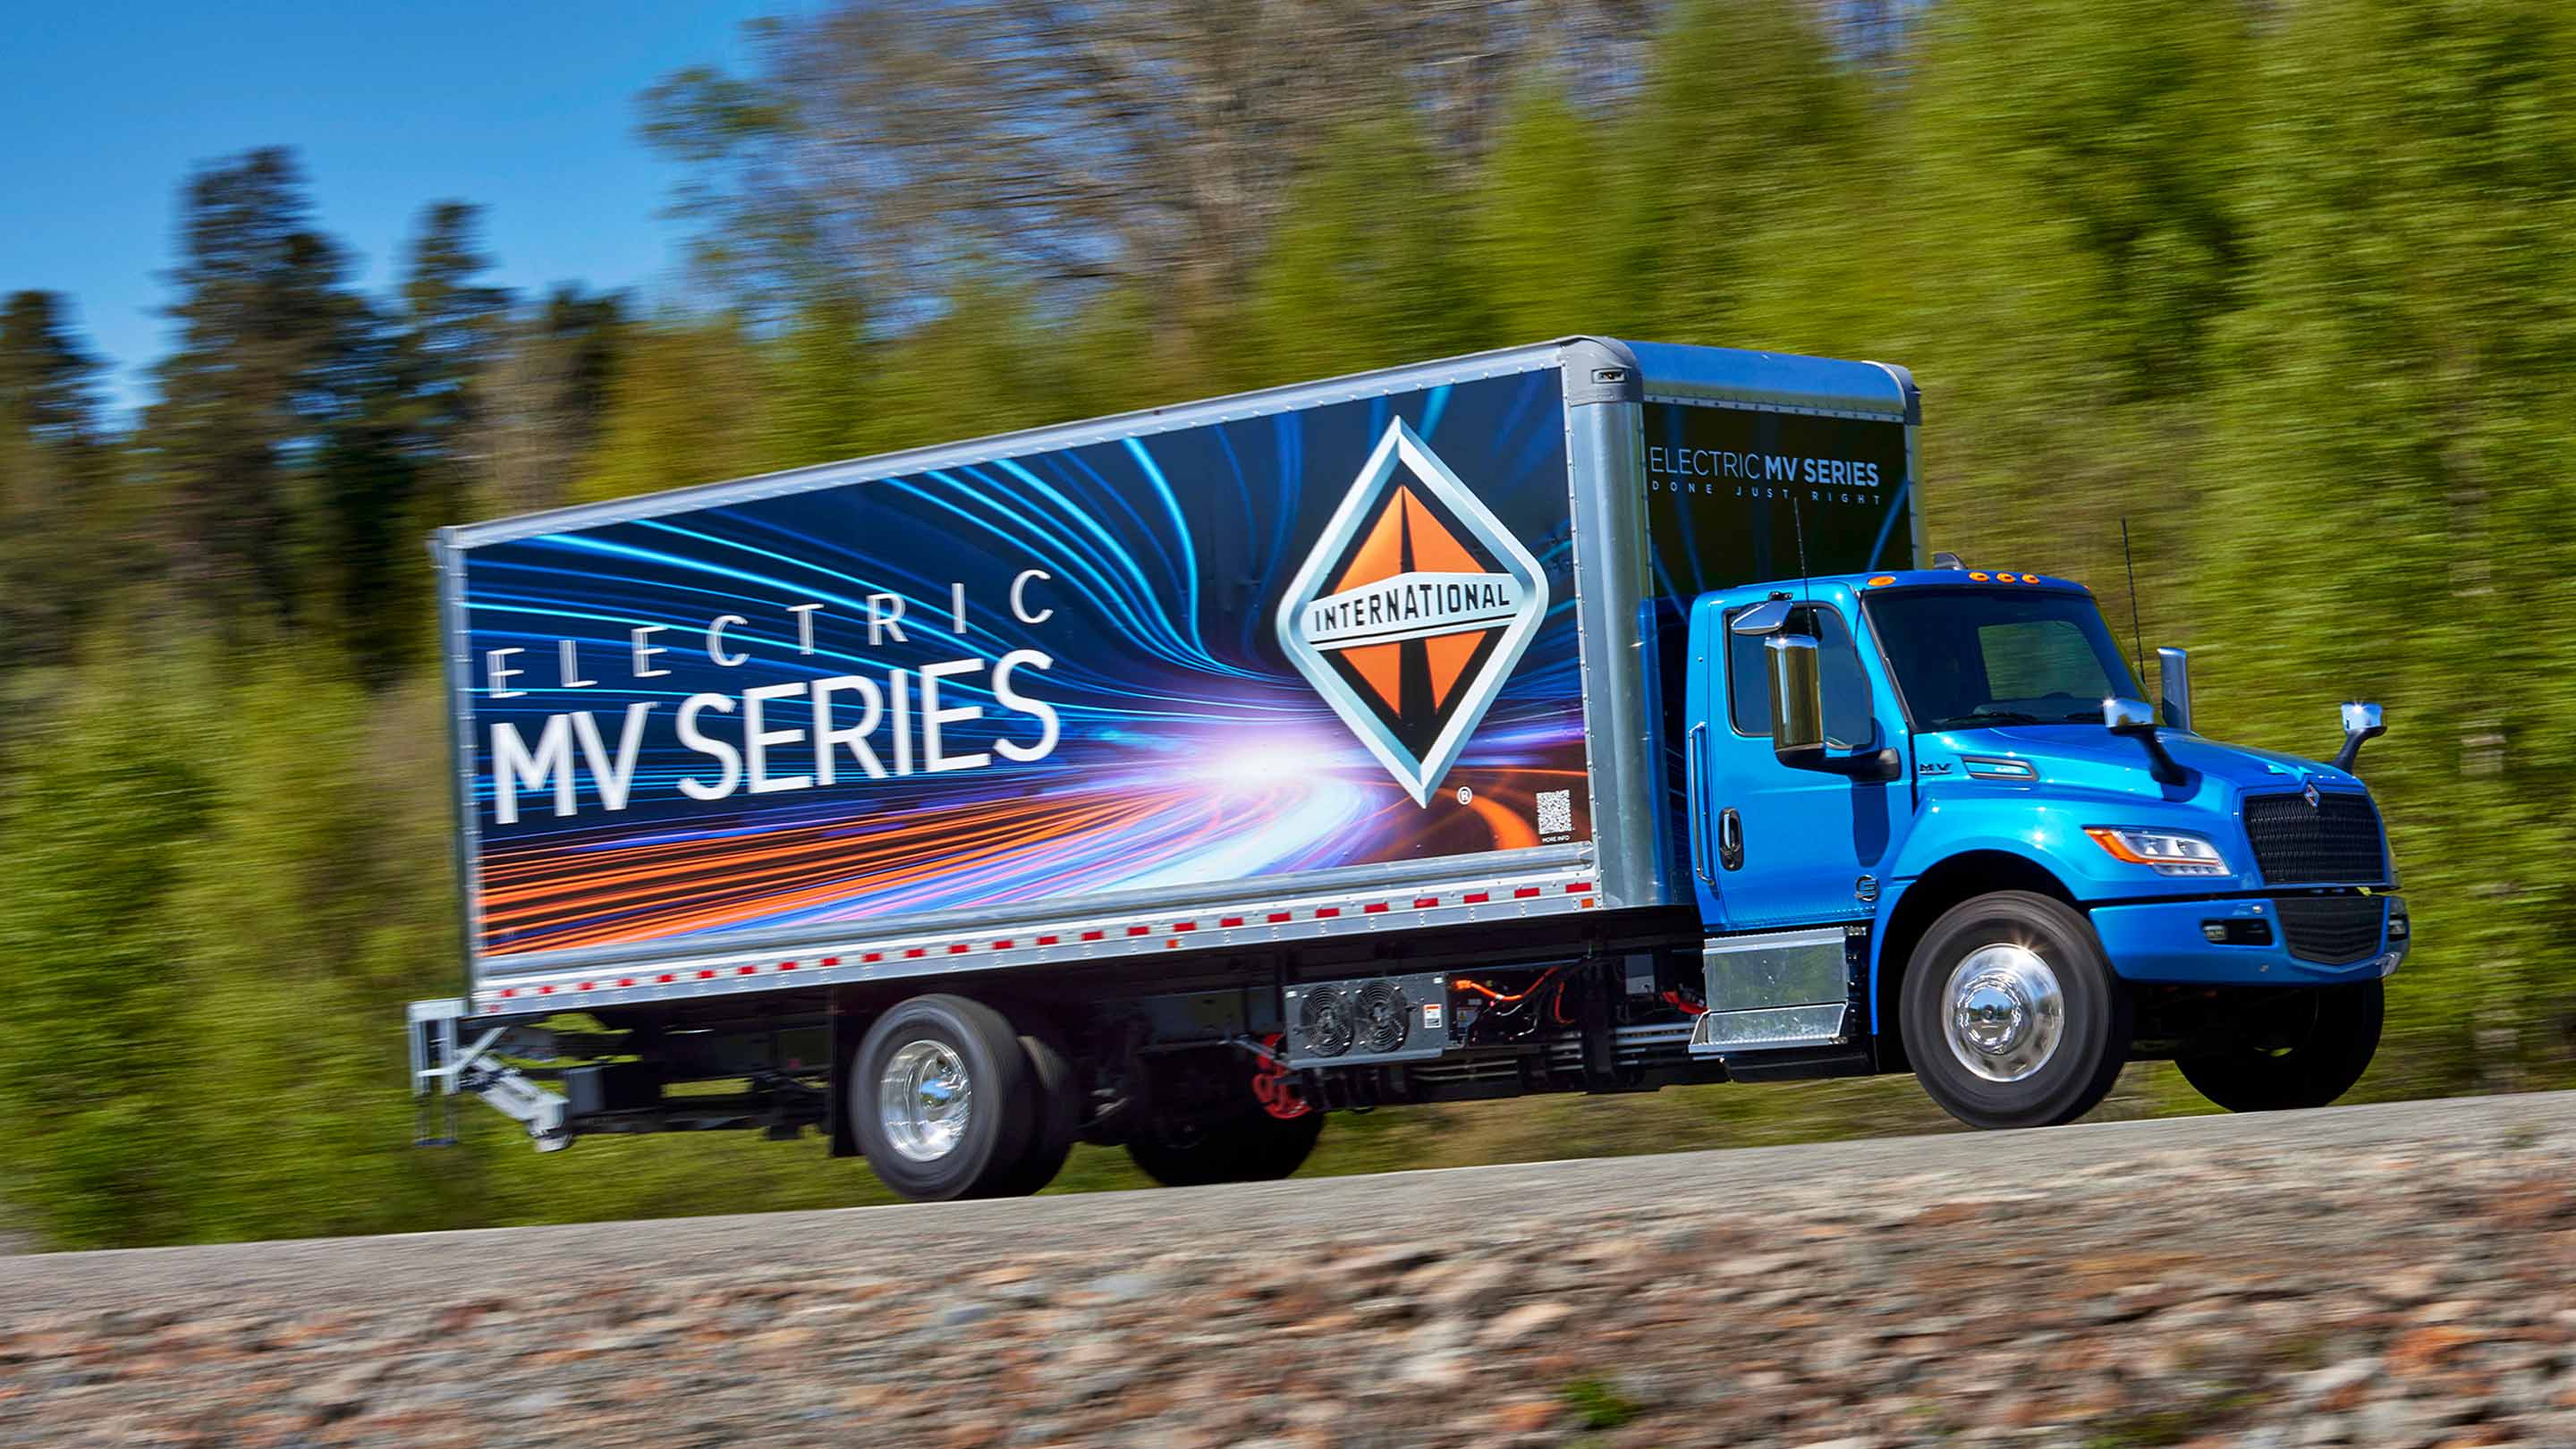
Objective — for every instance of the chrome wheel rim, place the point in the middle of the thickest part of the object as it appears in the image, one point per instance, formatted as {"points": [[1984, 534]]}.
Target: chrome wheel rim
{"points": [[925, 1100], [2004, 1012]]}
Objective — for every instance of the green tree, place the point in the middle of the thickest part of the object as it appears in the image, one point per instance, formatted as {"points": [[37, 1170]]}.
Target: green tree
{"points": [[103, 802], [1365, 270], [2389, 515], [686, 407], [1745, 133], [55, 525], [819, 385], [542, 401], [284, 909], [393, 463], [1546, 262], [2066, 233], [267, 334], [451, 326]]}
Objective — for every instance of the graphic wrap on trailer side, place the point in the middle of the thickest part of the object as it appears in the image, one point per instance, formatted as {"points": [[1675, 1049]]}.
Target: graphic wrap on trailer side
{"points": [[1035, 678]]}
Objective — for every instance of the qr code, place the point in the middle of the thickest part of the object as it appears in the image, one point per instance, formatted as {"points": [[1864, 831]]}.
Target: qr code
{"points": [[1556, 812]]}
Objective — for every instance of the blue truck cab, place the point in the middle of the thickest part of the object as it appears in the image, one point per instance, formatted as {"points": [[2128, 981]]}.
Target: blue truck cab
{"points": [[1949, 777]]}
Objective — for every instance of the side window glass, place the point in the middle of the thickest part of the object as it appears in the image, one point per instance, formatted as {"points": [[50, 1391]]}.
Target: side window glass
{"points": [[1748, 682], [1848, 723]]}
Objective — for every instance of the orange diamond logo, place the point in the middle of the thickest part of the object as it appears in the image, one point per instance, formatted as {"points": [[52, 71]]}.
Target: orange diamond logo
{"points": [[1412, 610]]}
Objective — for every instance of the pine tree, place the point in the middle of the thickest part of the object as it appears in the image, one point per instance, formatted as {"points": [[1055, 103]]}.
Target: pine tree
{"points": [[452, 326], [394, 462], [267, 335], [55, 526]]}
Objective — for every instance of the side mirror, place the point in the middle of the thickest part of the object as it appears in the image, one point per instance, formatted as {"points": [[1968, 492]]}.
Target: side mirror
{"points": [[1798, 715], [2173, 680], [2131, 717], [1797, 697], [1768, 617], [2361, 723]]}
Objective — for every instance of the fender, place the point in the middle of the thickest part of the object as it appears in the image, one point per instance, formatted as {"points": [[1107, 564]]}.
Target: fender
{"points": [[1969, 838], [1913, 905]]}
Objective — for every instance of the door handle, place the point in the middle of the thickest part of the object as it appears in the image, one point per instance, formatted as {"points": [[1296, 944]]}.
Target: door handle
{"points": [[1730, 839], [1691, 804]]}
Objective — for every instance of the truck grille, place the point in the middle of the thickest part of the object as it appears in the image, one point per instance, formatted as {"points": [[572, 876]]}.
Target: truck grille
{"points": [[2330, 930], [2333, 841]]}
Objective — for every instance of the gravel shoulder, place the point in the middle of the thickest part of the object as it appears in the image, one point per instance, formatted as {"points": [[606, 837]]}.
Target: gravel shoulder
{"points": [[2394, 1274]]}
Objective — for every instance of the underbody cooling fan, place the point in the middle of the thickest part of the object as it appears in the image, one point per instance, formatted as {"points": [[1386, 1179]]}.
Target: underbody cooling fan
{"points": [[1383, 1017], [1324, 1023]]}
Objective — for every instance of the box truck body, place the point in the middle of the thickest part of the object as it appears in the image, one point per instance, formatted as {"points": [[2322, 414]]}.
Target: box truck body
{"points": [[1016, 700]]}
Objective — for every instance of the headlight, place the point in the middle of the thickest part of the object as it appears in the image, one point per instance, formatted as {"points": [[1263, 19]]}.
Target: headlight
{"points": [[2166, 852]]}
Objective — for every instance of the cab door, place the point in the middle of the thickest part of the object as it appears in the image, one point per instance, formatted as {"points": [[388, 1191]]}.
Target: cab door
{"points": [[1774, 846]]}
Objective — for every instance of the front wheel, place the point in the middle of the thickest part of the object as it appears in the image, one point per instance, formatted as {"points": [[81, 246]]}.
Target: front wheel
{"points": [[2011, 1015], [2317, 1055]]}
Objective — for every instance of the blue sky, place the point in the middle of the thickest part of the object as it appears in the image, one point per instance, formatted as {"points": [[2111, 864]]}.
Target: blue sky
{"points": [[526, 108]]}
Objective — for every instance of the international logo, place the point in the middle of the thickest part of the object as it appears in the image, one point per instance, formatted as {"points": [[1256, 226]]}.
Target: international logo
{"points": [[1411, 611]]}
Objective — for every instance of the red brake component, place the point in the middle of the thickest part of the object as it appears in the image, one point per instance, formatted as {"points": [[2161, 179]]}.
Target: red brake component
{"points": [[1272, 1085]]}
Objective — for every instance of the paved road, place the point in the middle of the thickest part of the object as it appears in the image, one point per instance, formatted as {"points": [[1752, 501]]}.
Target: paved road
{"points": [[2065, 1160], [2395, 1274]]}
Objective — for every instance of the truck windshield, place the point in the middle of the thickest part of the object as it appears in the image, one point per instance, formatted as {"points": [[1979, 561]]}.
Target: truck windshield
{"points": [[1967, 658]]}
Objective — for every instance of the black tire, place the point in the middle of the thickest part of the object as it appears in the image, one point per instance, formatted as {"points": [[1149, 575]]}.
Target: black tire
{"points": [[2318, 1066], [1058, 1119], [1252, 1147], [2059, 1084], [1001, 1102]]}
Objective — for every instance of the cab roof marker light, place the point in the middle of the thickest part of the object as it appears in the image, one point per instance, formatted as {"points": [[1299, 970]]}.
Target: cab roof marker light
{"points": [[1882, 579]]}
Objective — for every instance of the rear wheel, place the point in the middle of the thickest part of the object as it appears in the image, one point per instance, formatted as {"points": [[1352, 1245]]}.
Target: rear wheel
{"points": [[1250, 1147], [2011, 1015], [1058, 1095], [941, 1098], [2309, 1060]]}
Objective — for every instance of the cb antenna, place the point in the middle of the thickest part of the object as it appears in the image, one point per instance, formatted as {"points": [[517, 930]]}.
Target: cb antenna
{"points": [[1797, 521], [2137, 636]]}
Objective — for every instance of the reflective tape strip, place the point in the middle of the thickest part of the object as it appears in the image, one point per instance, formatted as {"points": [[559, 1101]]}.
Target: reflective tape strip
{"points": [[1113, 938]]}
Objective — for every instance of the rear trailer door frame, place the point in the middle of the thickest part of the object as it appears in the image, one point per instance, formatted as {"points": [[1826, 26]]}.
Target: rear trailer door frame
{"points": [[1622, 866]]}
